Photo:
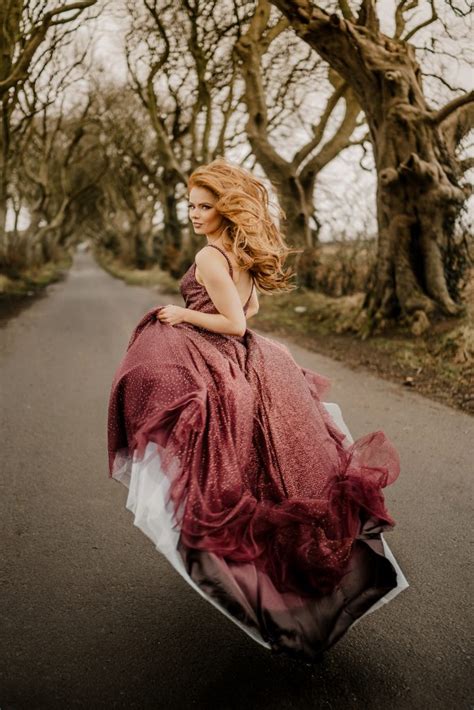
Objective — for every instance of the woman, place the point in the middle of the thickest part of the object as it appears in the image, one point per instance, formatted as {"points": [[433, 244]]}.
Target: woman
{"points": [[245, 480]]}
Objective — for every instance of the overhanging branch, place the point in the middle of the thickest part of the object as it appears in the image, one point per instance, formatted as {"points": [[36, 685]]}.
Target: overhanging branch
{"points": [[449, 108]]}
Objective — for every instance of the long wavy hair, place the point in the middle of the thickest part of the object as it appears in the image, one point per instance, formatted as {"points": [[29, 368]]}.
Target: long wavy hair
{"points": [[248, 229]]}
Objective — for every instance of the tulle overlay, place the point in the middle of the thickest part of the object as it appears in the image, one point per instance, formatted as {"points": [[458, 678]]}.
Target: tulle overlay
{"points": [[249, 483]]}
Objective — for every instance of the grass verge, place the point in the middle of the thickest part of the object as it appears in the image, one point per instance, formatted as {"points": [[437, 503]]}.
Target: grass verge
{"points": [[29, 282], [137, 277]]}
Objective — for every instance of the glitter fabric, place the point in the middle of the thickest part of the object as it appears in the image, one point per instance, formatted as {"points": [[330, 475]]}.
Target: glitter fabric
{"points": [[279, 513]]}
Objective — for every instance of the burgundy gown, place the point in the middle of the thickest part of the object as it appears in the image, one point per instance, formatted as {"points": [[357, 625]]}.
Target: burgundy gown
{"points": [[248, 483]]}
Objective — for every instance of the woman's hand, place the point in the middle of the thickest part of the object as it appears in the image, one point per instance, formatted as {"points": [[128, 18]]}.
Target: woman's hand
{"points": [[172, 314]]}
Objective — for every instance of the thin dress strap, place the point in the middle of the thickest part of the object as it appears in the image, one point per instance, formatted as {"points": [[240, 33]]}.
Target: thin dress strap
{"points": [[231, 269]]}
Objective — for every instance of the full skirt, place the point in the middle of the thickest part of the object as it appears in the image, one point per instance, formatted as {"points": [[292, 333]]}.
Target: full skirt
{"points": [[252, 486]]}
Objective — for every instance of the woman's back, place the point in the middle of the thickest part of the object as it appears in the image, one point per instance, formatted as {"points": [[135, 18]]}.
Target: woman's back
{"points": [[242, 279]]}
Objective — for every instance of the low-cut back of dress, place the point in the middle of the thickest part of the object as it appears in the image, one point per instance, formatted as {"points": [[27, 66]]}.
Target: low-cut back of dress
{"points": [[231, 271], [195, 294], [249, 484]]}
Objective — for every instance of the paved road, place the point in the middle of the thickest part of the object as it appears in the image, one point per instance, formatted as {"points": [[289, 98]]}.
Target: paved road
{"points": [[93, 617]]}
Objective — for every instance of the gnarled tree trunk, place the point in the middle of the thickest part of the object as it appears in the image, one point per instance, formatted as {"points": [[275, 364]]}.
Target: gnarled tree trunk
{"points": [[419, 191]]}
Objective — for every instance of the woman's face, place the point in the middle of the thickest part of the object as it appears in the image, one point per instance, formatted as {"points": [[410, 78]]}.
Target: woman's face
{"points": [[202, 213]]}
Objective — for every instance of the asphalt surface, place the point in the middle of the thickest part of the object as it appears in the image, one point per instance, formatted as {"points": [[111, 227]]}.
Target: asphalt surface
{"points": [[93, 617]]}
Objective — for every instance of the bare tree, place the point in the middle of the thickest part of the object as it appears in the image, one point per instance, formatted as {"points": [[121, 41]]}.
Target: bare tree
{"points": [[420, 191], [293, 178], [179, 56], [24, 27], [56, 173], [122, 216]]}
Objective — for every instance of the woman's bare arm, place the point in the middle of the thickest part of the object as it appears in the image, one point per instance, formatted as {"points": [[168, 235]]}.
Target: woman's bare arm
{"points": [[212, 321]]}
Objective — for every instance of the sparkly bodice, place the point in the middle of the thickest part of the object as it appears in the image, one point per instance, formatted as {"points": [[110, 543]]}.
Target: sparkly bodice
{"points": [[195, 295]]}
